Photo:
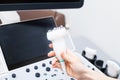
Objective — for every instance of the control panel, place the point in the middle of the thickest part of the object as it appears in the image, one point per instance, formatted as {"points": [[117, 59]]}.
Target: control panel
{"points": [[41, 70], [37, 71]]}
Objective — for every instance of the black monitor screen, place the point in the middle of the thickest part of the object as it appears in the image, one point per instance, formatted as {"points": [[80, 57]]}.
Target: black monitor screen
{"points": [[39, 4], [25, 42]]}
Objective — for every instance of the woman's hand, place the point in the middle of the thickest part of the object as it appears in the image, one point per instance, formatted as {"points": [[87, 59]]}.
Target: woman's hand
{"points": [[75, 68]]}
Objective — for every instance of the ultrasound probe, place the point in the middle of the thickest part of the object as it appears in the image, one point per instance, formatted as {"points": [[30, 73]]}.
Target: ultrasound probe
{"points": [[57, 36]]}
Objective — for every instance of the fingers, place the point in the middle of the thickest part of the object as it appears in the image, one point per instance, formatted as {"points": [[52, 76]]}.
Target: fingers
{"points": [[51, 54], [51, 45], [68, 56], [56, 63], [65, 55]]}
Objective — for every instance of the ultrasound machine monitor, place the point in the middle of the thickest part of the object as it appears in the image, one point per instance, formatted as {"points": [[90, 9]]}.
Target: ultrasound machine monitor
{"points": [[6, 5], [25, 42]]}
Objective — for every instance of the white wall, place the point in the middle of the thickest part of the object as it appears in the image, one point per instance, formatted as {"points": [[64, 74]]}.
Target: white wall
{"points": [[98, 20]]}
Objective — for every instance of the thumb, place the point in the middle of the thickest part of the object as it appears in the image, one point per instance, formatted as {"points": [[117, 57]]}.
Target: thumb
{"points": [[64, 56]]}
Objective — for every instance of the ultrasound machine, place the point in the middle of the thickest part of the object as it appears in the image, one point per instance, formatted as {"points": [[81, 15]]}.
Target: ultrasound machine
{"points": [[24, 45]]}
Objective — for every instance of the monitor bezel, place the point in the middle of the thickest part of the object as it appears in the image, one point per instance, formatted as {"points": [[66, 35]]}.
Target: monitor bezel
{"points": [[37, 6]]}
